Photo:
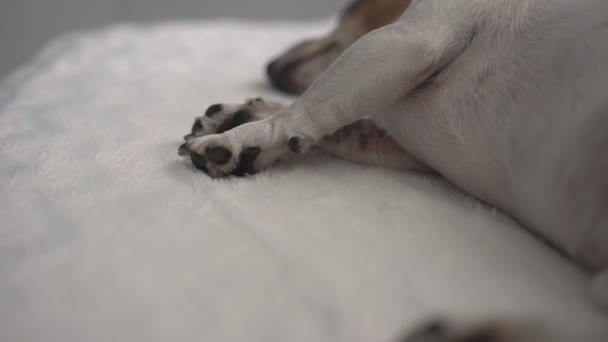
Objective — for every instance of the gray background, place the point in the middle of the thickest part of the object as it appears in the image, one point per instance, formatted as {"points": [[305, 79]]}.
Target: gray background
{"points": [[25, 25]]}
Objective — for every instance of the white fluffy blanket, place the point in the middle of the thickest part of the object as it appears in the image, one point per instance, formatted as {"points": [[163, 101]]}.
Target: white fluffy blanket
{"points": [[107, 235]]}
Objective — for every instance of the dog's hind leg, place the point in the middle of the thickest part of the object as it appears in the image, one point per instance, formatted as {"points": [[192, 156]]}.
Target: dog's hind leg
{"points": [[365, 143]]}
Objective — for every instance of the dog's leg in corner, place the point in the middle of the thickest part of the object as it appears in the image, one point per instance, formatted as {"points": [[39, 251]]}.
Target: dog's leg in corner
{"points": [[379, 70], [365, 143], [599, 289]]}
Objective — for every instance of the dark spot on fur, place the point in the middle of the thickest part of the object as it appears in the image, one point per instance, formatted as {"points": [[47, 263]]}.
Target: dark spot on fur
{"points": [[246, 162], [188, 136], [200, 162], [295, 145], [197, 127], [219, 155], [211, 111], [363, 141], [239, 118]]}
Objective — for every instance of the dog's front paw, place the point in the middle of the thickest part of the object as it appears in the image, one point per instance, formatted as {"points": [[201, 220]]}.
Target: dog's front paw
{"points": [[220, 156]]}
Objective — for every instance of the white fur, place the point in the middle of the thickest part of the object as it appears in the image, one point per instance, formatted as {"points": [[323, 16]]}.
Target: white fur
{"points": [[516, 113]]}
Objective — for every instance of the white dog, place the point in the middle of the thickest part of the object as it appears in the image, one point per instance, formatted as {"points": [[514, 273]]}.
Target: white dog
{"points": [[507, 99]]}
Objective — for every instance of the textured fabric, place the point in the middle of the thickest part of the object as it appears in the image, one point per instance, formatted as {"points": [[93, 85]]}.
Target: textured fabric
{"points": [[107, 235]]}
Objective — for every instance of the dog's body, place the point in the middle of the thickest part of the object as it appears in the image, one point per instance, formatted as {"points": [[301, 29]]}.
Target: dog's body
{"points": [[507, 99]]}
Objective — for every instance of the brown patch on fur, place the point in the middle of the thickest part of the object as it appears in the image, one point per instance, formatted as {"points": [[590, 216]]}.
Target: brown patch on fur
{"points": [[363, 16]]}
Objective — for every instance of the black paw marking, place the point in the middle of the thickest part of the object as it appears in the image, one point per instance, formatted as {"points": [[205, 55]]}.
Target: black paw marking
{"points": [[211, 111], [219, 155], [197, 127], [246, 162], [295, 145], [239, 118], [200, 162]]}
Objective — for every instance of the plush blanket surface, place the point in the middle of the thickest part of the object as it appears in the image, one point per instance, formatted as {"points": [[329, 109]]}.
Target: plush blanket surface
{"points": [[107, 235]]}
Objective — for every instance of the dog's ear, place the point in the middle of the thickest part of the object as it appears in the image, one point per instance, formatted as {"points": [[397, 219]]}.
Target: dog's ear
{"points": [[296, 69], [367, 15]]}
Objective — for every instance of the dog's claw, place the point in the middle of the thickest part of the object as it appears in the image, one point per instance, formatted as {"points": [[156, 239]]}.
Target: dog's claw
{"points": [[183, 150]]}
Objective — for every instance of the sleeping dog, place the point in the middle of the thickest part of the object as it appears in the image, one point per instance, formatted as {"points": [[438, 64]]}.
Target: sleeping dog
{"points": [[507, 99]]}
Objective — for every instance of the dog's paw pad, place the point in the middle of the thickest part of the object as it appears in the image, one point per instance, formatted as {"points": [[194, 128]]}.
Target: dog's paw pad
{"points": [[219, 155]]}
